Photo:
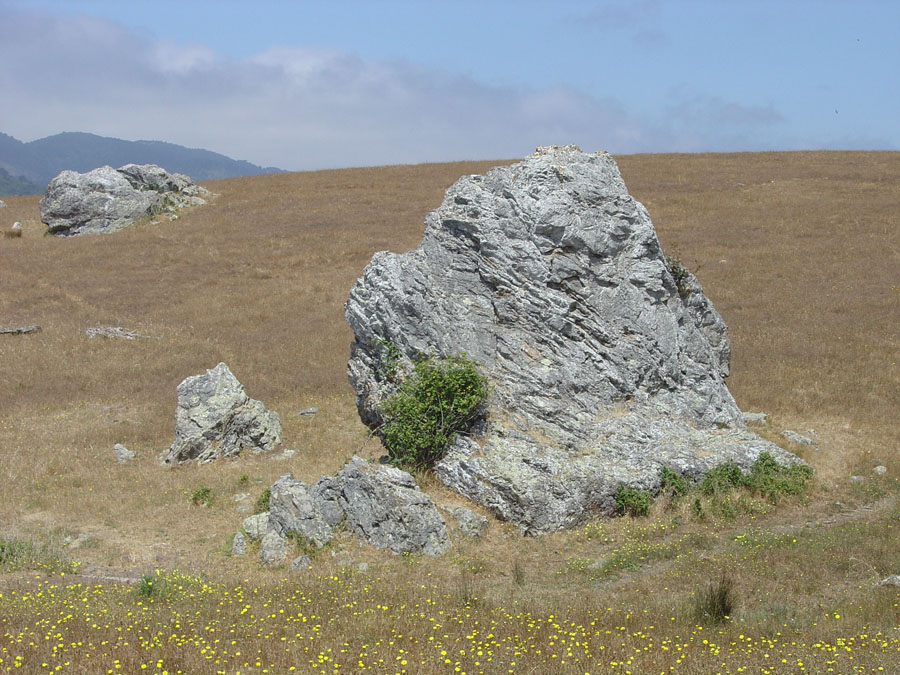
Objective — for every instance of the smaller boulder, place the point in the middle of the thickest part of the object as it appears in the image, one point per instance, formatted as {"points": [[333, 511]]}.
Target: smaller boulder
{"points": [[238, 544], [755, 418], [799, 439], [272, 549], [386, 508], [880, 470], [892, 580], [215, 418], [301, 563], [469, 523], [2, 204], [311, 511], [123, 454], [256, 526]]}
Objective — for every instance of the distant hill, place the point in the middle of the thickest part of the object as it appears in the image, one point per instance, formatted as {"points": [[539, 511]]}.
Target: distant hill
{"points": [[26, 168]]}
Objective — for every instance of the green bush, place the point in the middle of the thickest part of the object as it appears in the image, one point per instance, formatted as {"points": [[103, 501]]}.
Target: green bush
{"points": [[201, 497], [723, 479], [767, 478], [262, 504], [672, 484], [151, 586], [771, 480], [440, 399], [679, 274], [633, 502]]}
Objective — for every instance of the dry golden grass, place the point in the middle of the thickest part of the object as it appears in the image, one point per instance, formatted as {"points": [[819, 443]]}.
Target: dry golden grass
{"points": [[800, 253]]}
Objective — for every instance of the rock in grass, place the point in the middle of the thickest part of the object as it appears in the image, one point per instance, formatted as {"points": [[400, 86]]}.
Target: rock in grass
{"points": [[257, 525], [386, 508], [605, 360], [123, 454], [215, 418], [380, 505], [238, 544], [311, 511], [755, 418], [469, 523], [301, 563], [799, 439], [272, 549], [106, 200]]}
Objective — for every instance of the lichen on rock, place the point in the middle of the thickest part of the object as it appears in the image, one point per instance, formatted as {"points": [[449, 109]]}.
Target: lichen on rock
{"points": [[602, 369]]}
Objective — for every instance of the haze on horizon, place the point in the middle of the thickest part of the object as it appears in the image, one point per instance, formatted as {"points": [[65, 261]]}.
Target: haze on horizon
{"points": [[310, 85]]}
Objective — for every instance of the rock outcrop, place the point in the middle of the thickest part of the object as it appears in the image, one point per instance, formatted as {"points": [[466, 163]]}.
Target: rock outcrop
{"points": [[215, 418], [606, 361], [106, 200], [380, 505]]}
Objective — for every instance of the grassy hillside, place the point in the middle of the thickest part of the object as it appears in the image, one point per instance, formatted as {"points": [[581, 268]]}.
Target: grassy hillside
{"points": [[798, 251]]}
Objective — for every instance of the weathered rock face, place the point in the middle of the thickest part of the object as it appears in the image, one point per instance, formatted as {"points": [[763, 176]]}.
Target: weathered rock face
{"points": [[215, 418], [105, 200], [381, 505], [549, 276], [385, 507]]}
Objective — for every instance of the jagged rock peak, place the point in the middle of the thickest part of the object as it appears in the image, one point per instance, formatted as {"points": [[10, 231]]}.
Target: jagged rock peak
{"points": [[606, 362]]}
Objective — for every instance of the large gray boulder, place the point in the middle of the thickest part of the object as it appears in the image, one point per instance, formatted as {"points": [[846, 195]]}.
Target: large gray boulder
{"points": [[215, 418], [604, 364], [106, 200], [381, 505]]}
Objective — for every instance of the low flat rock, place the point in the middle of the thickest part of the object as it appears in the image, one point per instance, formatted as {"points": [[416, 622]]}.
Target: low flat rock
{"points": [[605, 360], [215, 418]]}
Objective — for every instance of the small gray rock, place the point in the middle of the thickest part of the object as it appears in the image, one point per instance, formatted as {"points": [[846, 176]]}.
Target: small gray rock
{"points": [[123, 454], [469, 523], [77, 542], [215, 418], [301, 563], [880, 470], [755, 418], [238, 544], [312, 511], [114, 332], [2, 204], [794, 437], [892, 580], [386, 508], [308, 412], [857, 479], [241, 496], [286, 454], [20, 330], [272, 549], [256, 526], [362, 567]]}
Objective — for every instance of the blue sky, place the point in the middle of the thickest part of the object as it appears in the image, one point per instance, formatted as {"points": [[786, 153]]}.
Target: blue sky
{"points": [[307, 85]]}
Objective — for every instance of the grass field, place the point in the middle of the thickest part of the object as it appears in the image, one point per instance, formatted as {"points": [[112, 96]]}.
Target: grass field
{"points": [[799, 252]]}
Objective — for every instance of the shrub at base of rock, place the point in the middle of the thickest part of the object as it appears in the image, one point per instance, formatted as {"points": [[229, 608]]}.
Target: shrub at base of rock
{"points": [[215, 418], [380, 505], [106, 200], [602, 367]]}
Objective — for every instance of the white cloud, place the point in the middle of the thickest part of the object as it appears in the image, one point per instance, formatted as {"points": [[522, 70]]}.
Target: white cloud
{"points": [[294, 107], [305, 108]]}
